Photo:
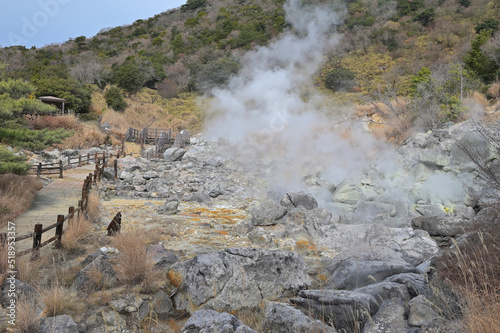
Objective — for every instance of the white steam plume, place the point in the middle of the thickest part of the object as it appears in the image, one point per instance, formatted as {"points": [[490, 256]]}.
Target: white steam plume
{"points": [[271, 107]]}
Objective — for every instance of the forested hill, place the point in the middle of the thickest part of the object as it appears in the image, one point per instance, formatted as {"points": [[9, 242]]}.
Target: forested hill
{"points": [[389, 46]]}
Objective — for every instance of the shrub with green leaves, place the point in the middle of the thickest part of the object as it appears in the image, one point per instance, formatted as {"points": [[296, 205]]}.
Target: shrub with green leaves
{"points": [[23, 137], [115, 100], [16, 88], [340, 79], [12, 163]]}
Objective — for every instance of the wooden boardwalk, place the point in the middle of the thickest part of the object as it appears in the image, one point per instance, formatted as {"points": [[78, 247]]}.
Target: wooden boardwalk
{"points": [[52, 200]]}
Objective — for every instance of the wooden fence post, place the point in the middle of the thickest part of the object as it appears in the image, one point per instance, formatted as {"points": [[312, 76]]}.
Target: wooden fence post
{"points": [[37, 239], [123, 149], [115, 166], [39, 170], [59, 231], [95, 157], [71, 214], [69, 162], [60, 169], [88, 158], [79, 160]]}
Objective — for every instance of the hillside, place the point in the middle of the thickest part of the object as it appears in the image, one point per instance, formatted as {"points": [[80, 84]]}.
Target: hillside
{"points": [[446, 49]]}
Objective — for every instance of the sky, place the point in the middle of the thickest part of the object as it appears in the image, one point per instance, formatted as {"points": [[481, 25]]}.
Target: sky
{"points": [[42, 22]]}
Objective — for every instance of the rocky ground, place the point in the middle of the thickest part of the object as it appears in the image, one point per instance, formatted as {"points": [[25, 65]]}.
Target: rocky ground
{"points": [[240, 255]]}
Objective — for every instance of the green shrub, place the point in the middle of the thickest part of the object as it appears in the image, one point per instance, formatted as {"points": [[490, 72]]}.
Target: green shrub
{"points": [[115, 100], [11, 163], [33, 139], [340, 79]]}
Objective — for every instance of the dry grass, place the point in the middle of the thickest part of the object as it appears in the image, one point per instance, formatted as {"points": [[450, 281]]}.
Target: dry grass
{"points": [[76, 235], [93, 210], [98, 278], [148, 108], [68, 122], [58, 300], [27, 318], [494, 91], [3, 262], [29, 271], [133, 265], [473, 268], [84, 137], [16, 195]]}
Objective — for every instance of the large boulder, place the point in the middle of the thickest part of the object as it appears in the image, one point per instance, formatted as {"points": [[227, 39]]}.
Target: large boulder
{"points": [[237, 278], [59, 324], [173, 154], [211, 321], [300, 199], [441, 225], [169, 208], [267, 213], [283, 318], [373, 212], [97, 261], [161, 257], [347, 310], [365, 265], [391, 317], [386, 290]]}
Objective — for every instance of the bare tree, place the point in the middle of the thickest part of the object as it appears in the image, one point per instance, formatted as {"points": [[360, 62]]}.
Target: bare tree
{"points": [[87, 68], [179, 73]]}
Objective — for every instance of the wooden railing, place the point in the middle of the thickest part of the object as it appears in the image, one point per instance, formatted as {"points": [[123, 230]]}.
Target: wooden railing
{"points": [[91, 180], [73, 162]]}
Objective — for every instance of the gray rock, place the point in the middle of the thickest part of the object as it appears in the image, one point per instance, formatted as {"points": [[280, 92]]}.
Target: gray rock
{"points": [[150, 175], [389, 318], [415, 283], [210, 321], [173, 154], [348, 193], [433, 158], [99, 261], [267, 213], [446, 225], [365, 265], [59, 324], [347, 310], [283, 318], [431, 210], [300, 199], [421, 312], [386, 290], [260, 236], [162, 305], [237, 278], [22, 290], [161, 258], [115, 321], [373, 212], [169, 208], [473, 142], [200, 197]]}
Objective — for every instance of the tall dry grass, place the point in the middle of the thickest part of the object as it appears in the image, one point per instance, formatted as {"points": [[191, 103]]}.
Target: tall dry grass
{"points": [[27, 317], [133, 264], [473, 269], [58, 300], [76, 235], [16, 195], [93, 206], [29, 270]]}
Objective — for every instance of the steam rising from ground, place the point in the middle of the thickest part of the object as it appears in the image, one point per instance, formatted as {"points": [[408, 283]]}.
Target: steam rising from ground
{"points": [[271, 108]]}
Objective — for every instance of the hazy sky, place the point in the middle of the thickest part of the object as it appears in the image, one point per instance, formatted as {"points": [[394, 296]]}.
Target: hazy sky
{"points": [[41, 22]]}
